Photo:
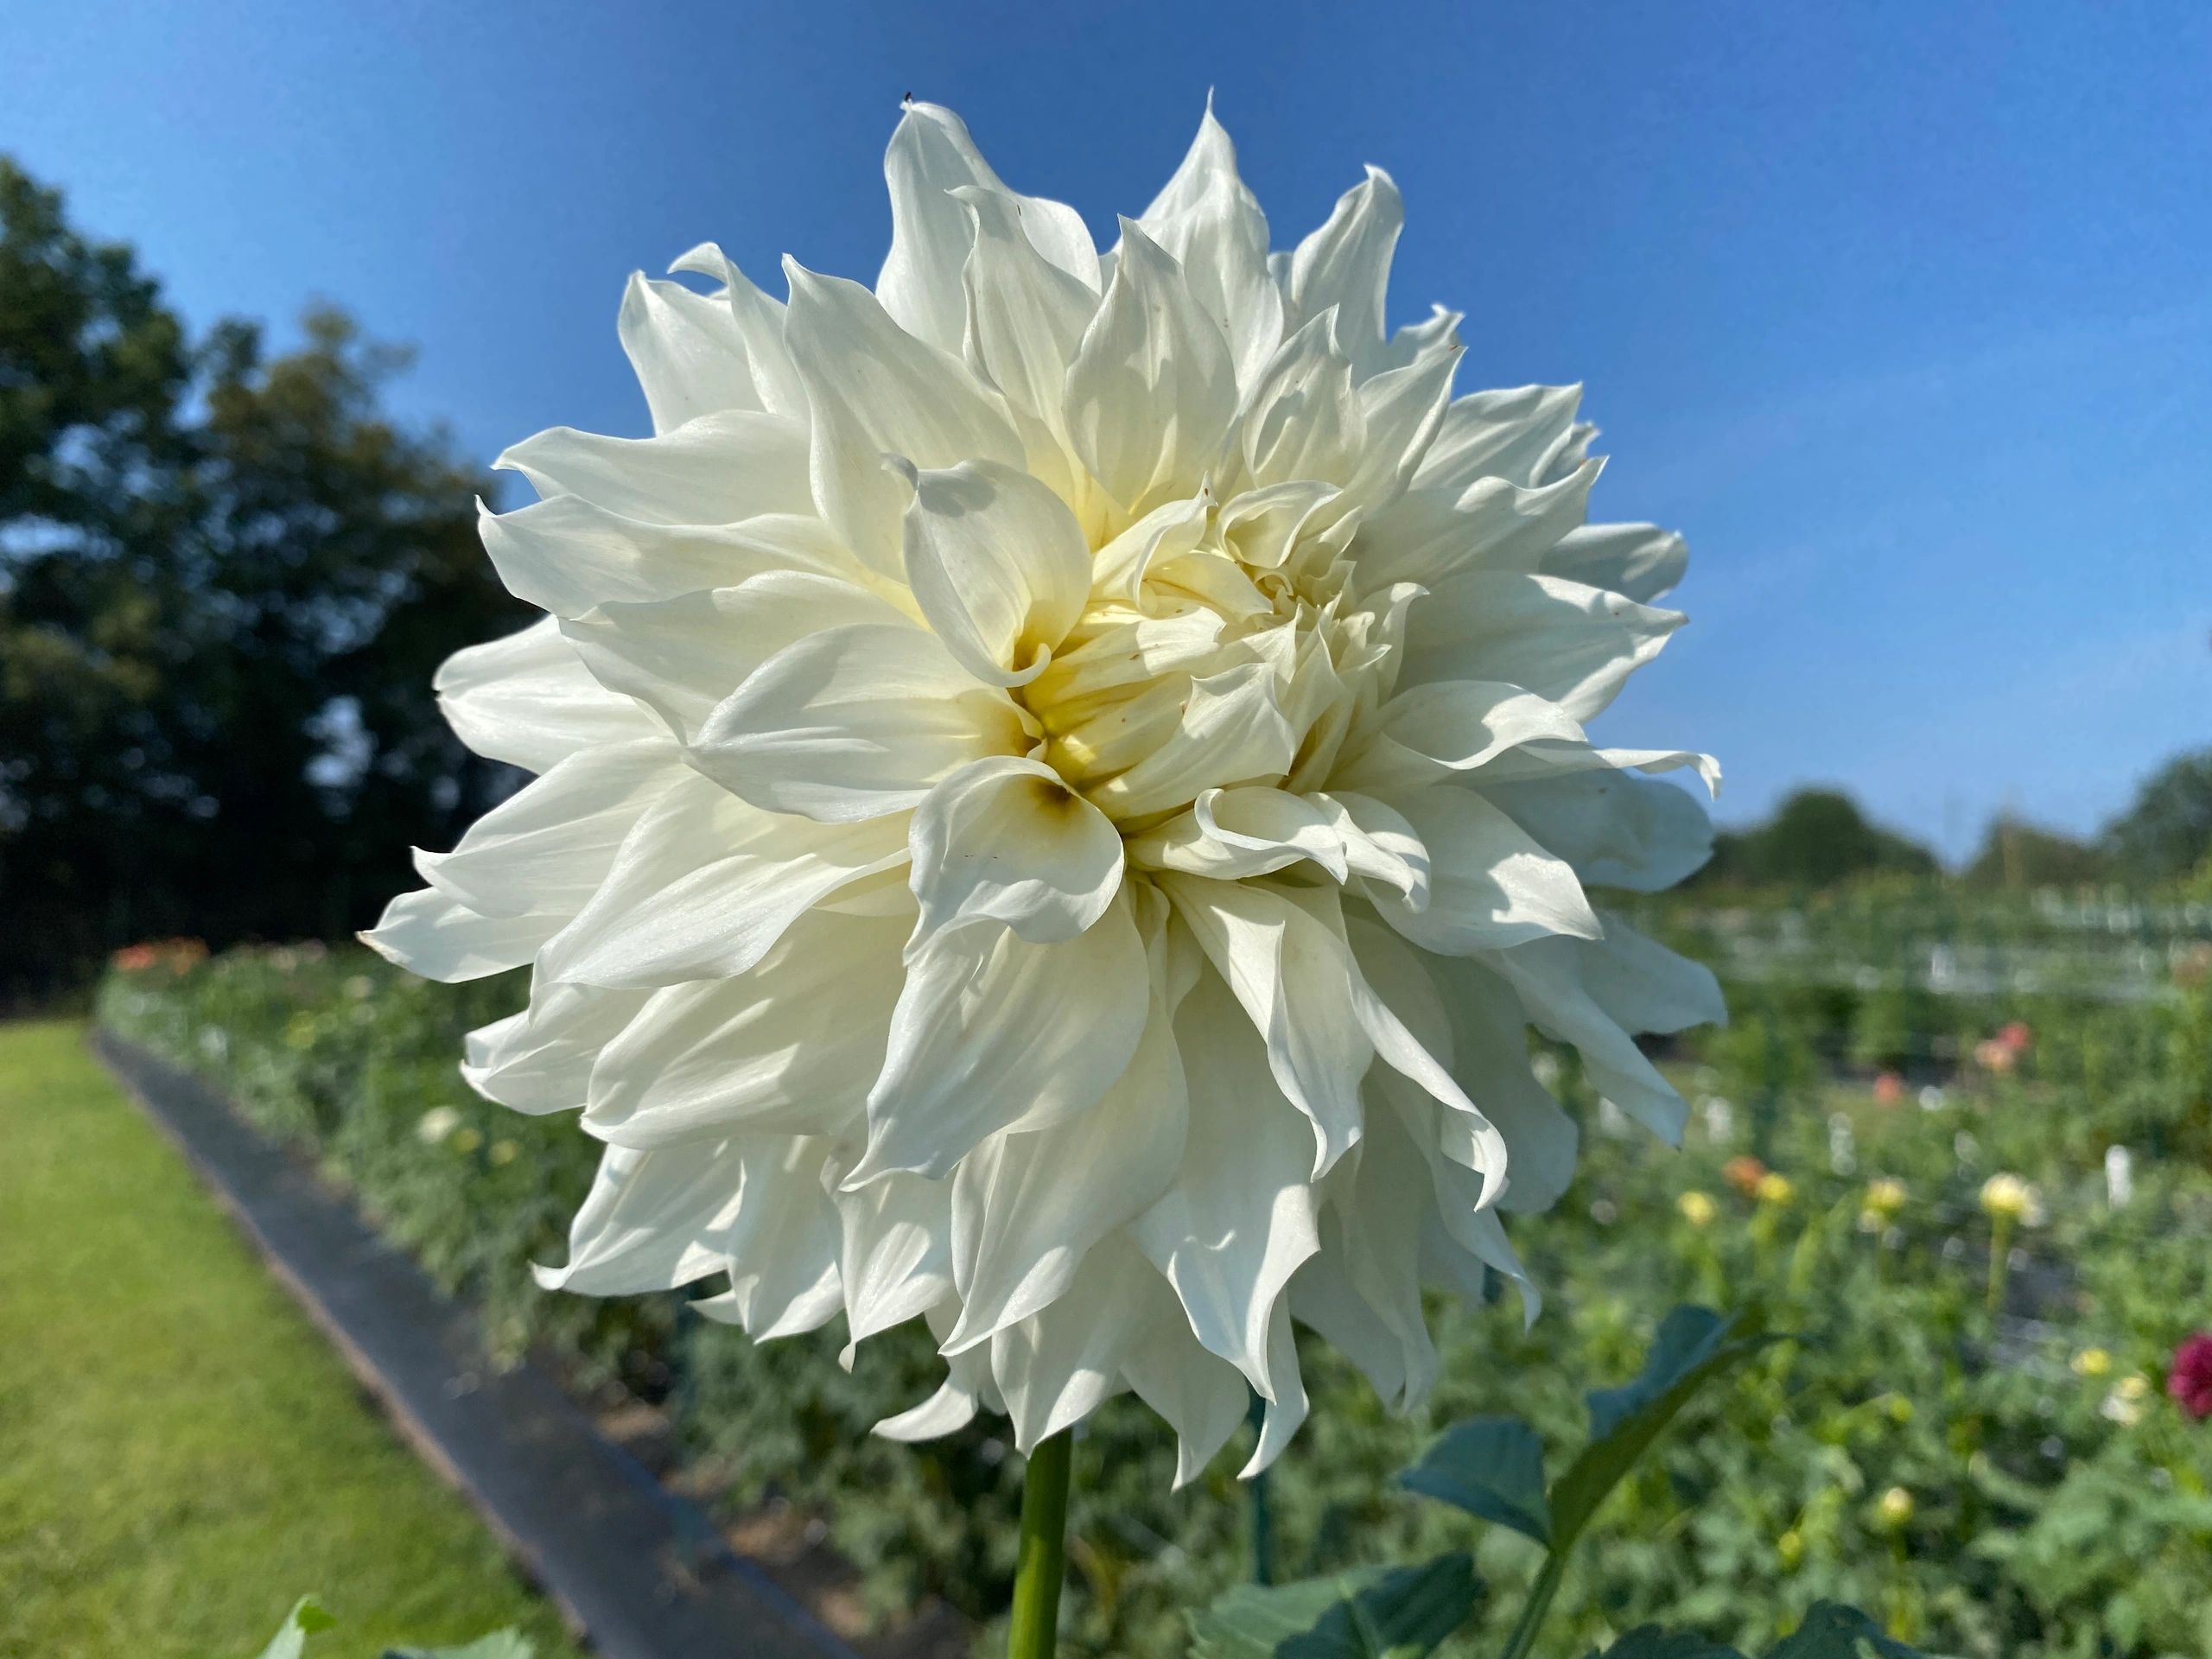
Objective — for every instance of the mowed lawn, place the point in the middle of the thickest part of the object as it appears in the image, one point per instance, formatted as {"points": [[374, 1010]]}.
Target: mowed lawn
{"points": [[181, 1455]]}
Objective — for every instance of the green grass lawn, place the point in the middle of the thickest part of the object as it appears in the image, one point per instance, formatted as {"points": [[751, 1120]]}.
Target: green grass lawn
{"points": [[181, 1455]]}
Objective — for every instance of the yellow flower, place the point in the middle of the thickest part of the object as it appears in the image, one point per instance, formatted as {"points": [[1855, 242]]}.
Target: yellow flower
{"points": [[1697, 1209], [2007, 1198], [1775, 1188], [466, 1140], [1885, 1197], [503, 1152], [2134, 1388], [1790, 1548], [1900, 1410], [1895, 1508], [2091, 1362]]}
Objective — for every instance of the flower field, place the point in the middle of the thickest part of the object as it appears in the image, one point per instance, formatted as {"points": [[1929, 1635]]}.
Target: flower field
{"points": [[1979, 1211]]}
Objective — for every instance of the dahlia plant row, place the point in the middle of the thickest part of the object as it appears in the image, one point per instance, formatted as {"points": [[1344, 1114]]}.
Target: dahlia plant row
{"points": [[2015, 1485]]}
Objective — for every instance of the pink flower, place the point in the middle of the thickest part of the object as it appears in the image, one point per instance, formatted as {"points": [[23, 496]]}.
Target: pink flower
{"points": [[2190, 1380]]}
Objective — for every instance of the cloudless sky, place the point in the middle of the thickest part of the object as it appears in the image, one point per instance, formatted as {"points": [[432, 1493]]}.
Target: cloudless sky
{"points": [[1903, 312]]}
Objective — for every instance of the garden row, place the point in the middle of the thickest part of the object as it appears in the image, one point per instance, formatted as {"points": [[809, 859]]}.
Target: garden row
{"points": [[1969, 1433]]}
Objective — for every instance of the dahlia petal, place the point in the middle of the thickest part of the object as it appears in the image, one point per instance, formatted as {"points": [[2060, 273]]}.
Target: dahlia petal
{"points": [[789, 1047], [759, 321], [705, 884], [896, 1257], [1490, 885], [1417, 342], [1165, 534], [547, 847], [1640, 562], [999, 567], [1028, 1205], [681, 657], [529, 700], [1547, 976], [1504, 435], [1346, 265], [1232, 834], [1380, 845], [1572, 644], [1262, 526], [432, 933], [653, 1221], [1202, 1396], [779, 1242], [1381, 1232], [875, 390], [1003, 841], [1490, 1059], [1323, 1300], [1153, 385], [948, 1411], [1647, 987], [1302, 421], [1427, 534], [1283, 1389], [713, 470], [1432, 731], [931, 156], [1290, 976], [1241, 1216], [1400, 411], [855, 723], [687, 352], [1616, 829], [1057, 1367], [980, 1039], [540, 1061], [1231, 730], [1025, 322], [1212, 225], [565, 555]]}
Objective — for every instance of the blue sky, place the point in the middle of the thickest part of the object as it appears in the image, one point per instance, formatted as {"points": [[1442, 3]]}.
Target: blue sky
{"points": [[1903, 313]]}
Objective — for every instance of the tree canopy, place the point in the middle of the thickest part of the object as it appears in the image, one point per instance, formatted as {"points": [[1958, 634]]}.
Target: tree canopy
{"points": [[225, 579], [1816, 838]]}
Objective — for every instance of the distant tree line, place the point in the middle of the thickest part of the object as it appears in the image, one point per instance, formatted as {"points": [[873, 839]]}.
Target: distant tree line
{"points": [[1819, 838], [225, 579]]}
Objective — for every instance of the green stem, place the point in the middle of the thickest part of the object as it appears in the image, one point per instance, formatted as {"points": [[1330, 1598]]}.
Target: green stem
{"points": [[1042, 1562], [1539, 1604], [2001, 1251]]}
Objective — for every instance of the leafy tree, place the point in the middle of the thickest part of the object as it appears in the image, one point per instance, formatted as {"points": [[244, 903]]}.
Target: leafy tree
{"points": [[1817, 838], [225, 580], [2015, 854], [2167, 831]]}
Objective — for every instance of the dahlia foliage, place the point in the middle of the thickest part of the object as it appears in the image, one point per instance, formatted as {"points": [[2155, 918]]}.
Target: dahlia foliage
{"points": [[1062, 782]]}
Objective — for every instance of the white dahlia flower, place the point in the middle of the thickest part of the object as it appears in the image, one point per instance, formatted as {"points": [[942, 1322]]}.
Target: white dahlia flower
{"points": [[1062, 782]]}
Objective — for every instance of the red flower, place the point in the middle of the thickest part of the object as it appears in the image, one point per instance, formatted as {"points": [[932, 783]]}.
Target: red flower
{"points": [[2016, 1036], [2190, 1380], [1888, 1088]]}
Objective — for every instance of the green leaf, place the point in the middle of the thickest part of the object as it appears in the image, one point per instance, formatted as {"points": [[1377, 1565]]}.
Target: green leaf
{"points": [[500, 1644], [1695, 1345], [306, 1617], [1650, 1642], [1831, 1631], [1490, 1466], [1402, 1612]]}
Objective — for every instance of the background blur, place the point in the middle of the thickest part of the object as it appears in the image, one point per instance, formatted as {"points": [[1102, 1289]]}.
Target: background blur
{"points": [[1902, 315]]}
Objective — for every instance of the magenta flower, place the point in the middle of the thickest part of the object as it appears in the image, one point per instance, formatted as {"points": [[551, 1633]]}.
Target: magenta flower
{"points": [[2189, 1381]]}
